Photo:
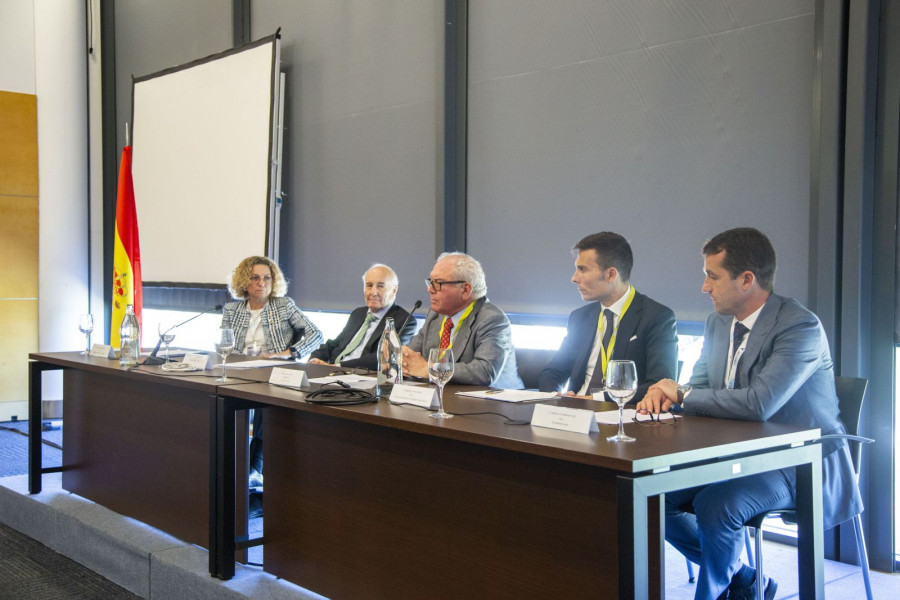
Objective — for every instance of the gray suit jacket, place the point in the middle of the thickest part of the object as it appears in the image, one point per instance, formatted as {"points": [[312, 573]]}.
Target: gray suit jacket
{"points": [[482, 349], [785, 376]]}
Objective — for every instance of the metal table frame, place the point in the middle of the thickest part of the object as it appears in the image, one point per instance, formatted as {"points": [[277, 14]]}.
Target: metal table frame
{"points": [[635, 490]]}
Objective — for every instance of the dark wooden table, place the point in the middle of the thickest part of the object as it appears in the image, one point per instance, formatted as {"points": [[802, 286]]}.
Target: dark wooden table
{"points": [[144, 444], [381, 501]]}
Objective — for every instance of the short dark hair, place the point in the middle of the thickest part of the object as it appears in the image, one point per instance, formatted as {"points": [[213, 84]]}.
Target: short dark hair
{"points": [[746, 249], [612, 251]]}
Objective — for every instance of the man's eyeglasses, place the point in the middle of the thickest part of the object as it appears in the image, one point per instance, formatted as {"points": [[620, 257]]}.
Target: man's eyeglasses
{"points": [[436, 284], [663, 418], [264, 278]]}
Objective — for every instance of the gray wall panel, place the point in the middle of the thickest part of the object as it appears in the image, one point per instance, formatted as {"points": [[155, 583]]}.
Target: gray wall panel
{"points": [[361, 144], [152, 35], [664, 121]]}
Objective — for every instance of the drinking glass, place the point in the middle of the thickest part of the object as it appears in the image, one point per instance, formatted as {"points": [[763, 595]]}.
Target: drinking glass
{"points": [[621, 384], [224, 347], [167, 335], [86, 326], [440, 370]]}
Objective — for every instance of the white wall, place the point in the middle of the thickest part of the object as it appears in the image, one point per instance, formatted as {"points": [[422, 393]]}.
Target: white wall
{"points": [[60, 83], [17, 39], [47, 39]]}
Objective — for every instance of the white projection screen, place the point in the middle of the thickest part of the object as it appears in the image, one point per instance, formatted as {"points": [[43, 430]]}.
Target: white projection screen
{"points": [[205, 150]]}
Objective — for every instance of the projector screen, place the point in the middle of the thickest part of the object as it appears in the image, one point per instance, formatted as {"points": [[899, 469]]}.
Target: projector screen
{"points": [[205, 149]]}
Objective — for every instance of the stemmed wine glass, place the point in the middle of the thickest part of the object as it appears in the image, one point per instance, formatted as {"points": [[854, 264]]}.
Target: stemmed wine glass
{"points": [[86, 326], [167, 335], [440, 370], [224, 347], [621, 384]]}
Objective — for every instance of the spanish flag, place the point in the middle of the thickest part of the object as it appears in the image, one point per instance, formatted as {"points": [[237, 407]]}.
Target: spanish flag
{"points": [[127, 253]]}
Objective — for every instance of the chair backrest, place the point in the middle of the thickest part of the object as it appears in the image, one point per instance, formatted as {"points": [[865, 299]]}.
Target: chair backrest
{"points": [[851, 391], [530, 362]]}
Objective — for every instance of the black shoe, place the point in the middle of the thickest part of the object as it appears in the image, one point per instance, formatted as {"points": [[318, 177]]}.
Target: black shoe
{"points": [[749, 592], [256, 506]]}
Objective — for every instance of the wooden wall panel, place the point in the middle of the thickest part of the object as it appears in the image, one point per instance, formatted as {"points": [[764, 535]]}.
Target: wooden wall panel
{"points": [[18, 245], [18, 318], [18, 144]]}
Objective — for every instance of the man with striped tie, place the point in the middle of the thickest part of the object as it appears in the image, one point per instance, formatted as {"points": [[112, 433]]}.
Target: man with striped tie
{"points": [[462, 318]]}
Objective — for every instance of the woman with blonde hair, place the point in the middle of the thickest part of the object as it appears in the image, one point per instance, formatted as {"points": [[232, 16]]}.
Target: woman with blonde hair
{"points": [[268, 323], [262, 316]]}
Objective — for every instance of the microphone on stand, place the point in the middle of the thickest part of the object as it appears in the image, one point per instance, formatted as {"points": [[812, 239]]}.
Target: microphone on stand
{"points": [[153, 359], [409, 316]]}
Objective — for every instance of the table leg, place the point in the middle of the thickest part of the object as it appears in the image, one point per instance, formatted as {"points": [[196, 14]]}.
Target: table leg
{"points": [[633, 540], [222, 488], [810, 538], [35, 433], [35, 458]]}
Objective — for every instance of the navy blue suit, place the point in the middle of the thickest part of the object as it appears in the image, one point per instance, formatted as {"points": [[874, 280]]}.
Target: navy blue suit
{"points": [[785, 376], [646, 335]]}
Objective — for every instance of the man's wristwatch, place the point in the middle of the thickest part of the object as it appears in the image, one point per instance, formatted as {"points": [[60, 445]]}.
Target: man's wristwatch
{"points": [[681, 392], [295, 353]]}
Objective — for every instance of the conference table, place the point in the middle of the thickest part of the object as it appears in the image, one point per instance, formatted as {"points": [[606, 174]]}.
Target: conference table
{"points": [[381, 501], [139, 442]]}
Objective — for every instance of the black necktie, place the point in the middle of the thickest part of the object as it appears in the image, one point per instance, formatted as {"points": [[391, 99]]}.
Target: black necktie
{"points": [[598, 375], [740, 330]]}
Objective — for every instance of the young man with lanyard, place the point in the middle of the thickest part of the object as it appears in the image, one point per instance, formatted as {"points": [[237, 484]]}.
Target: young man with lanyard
{"points": [[619, 324], [463, 319]]}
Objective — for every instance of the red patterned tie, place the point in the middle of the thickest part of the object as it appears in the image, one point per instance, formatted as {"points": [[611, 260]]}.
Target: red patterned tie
{"points": [[445, 334]]}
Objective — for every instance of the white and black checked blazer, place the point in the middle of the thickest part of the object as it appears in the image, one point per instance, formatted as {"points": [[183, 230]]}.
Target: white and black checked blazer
{"points": [[284, 326]]}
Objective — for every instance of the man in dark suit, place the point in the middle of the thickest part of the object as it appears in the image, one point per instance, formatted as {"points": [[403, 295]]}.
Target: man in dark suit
{"points": [[764, 358], [619, 324], [462, 318], [356, 345]]}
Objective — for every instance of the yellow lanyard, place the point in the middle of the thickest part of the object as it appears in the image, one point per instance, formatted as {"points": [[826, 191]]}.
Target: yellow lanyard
{"points": [[605, 353], [457, 325]]}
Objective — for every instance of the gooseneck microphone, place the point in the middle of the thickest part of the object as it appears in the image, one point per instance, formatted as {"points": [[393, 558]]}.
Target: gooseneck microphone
{"points": [[153, 359], [409, 316]]}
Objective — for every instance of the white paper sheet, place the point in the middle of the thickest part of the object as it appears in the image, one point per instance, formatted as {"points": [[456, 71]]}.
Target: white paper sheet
{"points": [[510, 395], [255, 364]]}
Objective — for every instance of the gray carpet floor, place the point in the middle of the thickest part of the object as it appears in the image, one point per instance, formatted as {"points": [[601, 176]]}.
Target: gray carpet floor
{"points": [[14, 447], [31, 571]]}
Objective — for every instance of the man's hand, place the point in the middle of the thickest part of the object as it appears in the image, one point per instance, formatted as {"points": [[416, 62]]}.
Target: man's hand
{"points": [[414, 364], [661, 396], [317, 361]]}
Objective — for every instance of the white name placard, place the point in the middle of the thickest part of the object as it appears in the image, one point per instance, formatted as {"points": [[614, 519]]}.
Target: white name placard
{"points": [[426, 397], [292, 378], [198, 361], [576, 420], [103, 351]]}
